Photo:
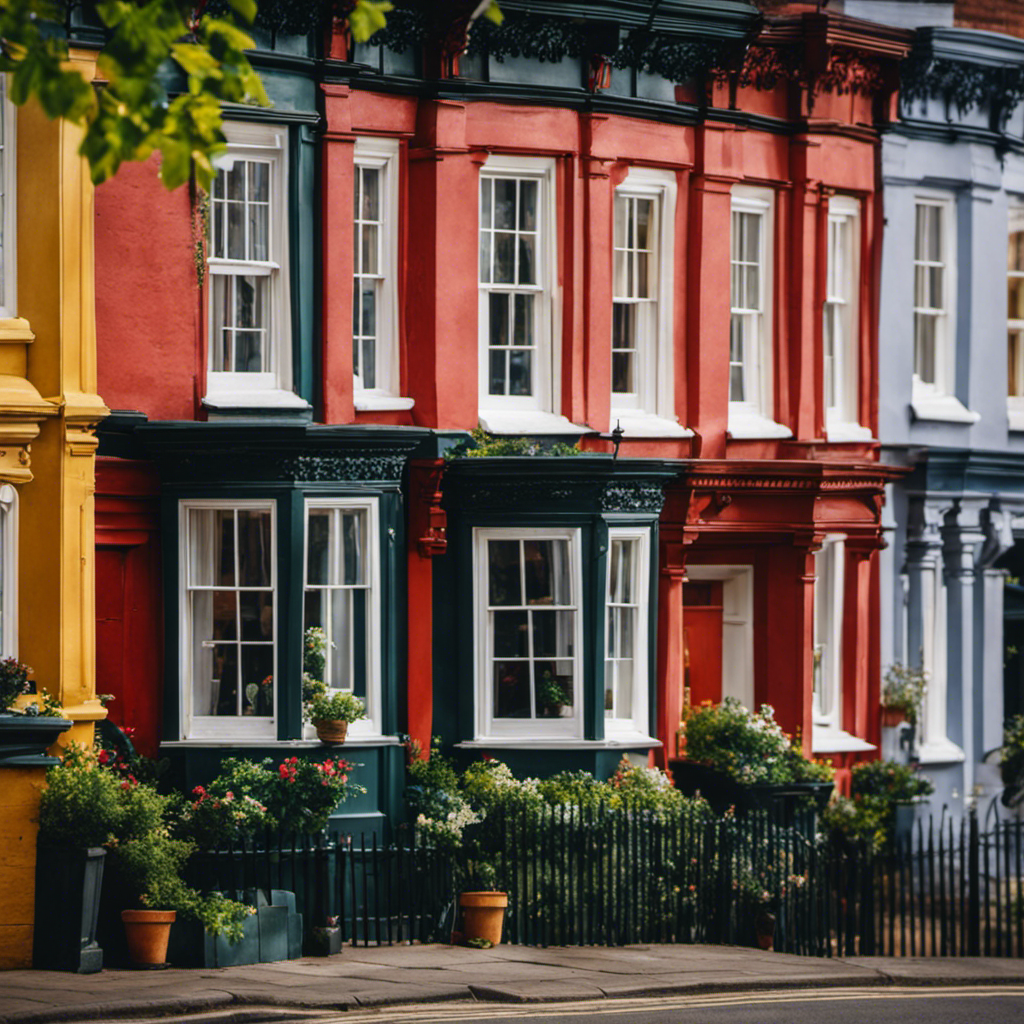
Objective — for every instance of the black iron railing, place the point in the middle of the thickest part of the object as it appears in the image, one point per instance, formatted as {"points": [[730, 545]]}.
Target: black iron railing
{"points": [[616, 875]]}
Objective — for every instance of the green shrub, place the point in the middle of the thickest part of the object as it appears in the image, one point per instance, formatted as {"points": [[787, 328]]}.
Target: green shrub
{"points": [[81, 805], [894, 782], [751, 748], [1011, 761], [13, 681], [485, 446]]}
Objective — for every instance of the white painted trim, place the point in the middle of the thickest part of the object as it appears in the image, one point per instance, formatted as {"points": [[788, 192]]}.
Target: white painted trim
{"points": [[262, 142], [526, 422], [368, 401], [268, 398], [9, 552], [9, 170], [840, 432], [946, 343], [488, 727], [370, 725], [742, 415], [383, 154], [546, 371], [928, 405], [827, 740], [737, 626], [943, 751], [194, 727], [640, 424], [639, 720], [659, 397], [1015, 412], [511, 742]]}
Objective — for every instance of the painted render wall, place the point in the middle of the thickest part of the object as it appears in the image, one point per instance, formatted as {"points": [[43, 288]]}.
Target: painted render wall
{"points": [[933, 529]]}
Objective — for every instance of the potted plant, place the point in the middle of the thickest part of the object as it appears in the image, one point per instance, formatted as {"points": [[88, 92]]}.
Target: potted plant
{"points": [[481, 904], [903, 690], [330, 711], [552, 695], [79, 810], [26, 733]]}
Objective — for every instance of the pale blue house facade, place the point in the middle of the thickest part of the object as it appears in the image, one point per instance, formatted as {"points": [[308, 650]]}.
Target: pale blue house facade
{"points": [[951, 397]]}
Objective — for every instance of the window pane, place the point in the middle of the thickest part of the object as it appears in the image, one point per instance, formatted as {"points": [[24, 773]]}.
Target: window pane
{"points": [[620, 287], [211, 547], [505, 203], [510, 635], [520, 380], [512, 689], [924, 347], [220, 691], [935, 290], [370, 262], [644, 215], [1015, 359], [503, 572], [751, 237], [371, 194], [621, 584], [621, 214], [624, 632], [235, 181], [737, 386], [485, 257], [354, 547], [250, 302], [257, 615], [547, 572], [1015, 301], [342, 639], [504, 258], [624, 688], [553, 634], [254, 548], [622, 373], [318, 527], [1015, 255], [933, 250], [523, 328], [258, 680], [259, 181], [499, 307], [527, 259], [248, 352], [259, 232], [236, 231], [498, 380], [559, 673], [527, 206], [486, 187]]}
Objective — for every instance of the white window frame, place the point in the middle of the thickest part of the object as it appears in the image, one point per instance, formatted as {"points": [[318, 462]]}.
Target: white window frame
{"points": [[1015, 389], [637, 724], [205, 727], [651, 409], [371, 725], [9, 170], [9, 571], [382, 154], [250, 141], [546, 378], [487, 726], [829, 572], [753, 417], [842, 310], [945, 326]]}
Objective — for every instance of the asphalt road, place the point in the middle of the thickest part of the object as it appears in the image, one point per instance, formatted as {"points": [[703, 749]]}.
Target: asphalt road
{"points": [[933, 1005]]}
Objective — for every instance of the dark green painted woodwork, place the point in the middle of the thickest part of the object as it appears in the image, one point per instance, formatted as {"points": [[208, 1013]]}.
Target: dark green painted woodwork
{"points": [[590, 493]]}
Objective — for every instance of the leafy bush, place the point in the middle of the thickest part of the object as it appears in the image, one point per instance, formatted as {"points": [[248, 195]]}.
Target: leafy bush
{"points": [[44, 706], [13, 681], [903, 689], [1011, 761], [81, 805], [485, 446], [324, 705], [213, 821], [751, 748], [890, 780]]}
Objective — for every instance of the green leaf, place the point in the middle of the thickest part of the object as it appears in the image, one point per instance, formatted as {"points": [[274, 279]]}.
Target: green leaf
{"points": [[493, 13], [367, 17], [245, 9]]}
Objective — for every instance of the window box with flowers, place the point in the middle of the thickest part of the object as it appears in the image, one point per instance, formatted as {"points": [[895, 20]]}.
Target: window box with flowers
{"points": [[26, 732], [739, 758]]}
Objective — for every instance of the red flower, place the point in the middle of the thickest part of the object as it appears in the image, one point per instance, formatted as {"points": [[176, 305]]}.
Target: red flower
{"points": [[103, 757]]}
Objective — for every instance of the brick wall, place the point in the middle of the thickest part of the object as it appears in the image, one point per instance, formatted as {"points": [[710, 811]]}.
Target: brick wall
{"points": [[992, 15]]}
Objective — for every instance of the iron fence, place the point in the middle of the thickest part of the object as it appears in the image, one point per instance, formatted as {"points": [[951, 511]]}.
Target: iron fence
{"points": [[616, 875]]}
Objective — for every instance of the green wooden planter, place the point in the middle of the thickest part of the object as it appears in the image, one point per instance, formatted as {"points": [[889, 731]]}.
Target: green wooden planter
{"points": [[24, 740], [68, 886]]}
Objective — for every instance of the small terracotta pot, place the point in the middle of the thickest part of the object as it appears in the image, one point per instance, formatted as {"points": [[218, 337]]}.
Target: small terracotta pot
{"points": [[483, 915], [891, 717], [147, 932], [331, 730]]}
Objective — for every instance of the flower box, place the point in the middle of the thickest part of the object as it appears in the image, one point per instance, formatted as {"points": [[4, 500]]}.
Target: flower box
{"points": [[24, 740]]}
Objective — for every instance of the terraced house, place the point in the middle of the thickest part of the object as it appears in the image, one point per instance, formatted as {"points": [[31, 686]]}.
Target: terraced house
{"points": [[652, 229]]}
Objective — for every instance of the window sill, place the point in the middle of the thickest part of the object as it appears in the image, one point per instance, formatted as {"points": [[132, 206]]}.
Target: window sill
{"points": [[1015, 417], [840, 432], [559, 743], [258, 399], [827, 739], [352, 741], [528, 422], [369, 401], [942, 409], [748, 425], [14, 330], [940, 752], [645, 424]]}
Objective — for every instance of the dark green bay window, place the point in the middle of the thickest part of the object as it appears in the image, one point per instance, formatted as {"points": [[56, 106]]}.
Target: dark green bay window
{"points": [[549, 593]]}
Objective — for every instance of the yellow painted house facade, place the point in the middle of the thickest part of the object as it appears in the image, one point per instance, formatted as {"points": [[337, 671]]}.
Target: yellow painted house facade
{"points": [[49, 409]]}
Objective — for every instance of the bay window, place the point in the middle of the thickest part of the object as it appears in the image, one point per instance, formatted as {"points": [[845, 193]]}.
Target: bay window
{"points": [[340, 596], [229, 618], [249, 345], [528, 587], [626, 640]]}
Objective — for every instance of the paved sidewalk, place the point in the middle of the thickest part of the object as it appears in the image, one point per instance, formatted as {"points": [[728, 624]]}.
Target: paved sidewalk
{"points": [[510, 974]]}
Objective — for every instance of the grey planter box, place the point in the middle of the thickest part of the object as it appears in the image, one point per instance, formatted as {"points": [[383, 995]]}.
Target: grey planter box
{"points": [[68, 885], [24, 740]]}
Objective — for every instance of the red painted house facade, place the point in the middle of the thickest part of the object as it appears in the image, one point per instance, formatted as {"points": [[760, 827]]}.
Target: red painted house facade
{"points": [[549, 248]]}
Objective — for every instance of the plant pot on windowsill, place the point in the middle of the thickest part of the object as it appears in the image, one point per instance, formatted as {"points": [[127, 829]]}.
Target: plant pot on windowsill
{"points": [[331, 712], [331, 730], [892, 717]]}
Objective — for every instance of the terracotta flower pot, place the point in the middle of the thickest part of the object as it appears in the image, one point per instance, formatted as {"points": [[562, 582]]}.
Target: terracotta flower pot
{"points": [[483, 915], [147, 932], [331, 730], [891, 717]]}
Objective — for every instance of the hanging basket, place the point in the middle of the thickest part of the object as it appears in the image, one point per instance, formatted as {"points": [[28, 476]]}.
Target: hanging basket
{"points": [[331, 730]]}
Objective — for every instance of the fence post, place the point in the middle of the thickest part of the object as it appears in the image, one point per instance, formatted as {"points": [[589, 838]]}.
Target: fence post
{"points": [[973, 889], [866, 870]]}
